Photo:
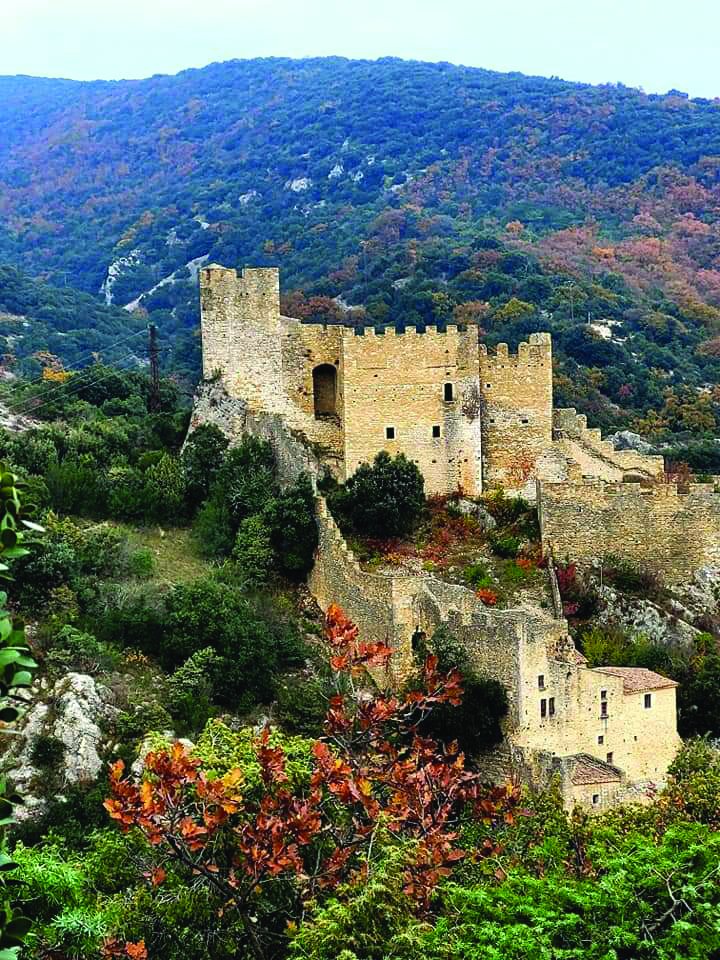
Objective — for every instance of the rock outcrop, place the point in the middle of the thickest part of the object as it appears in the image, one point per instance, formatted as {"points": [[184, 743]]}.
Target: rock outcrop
{"points": [[60, 740]]}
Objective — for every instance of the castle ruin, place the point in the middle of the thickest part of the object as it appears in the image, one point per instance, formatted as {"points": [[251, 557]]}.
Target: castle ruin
{"points": [[334, 396]]}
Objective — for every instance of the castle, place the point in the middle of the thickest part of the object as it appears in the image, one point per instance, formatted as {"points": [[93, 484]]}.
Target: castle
{"points": [[331, 397]]}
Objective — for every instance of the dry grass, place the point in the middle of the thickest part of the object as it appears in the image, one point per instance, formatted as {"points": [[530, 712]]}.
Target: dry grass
{"points": [[176, 556]]}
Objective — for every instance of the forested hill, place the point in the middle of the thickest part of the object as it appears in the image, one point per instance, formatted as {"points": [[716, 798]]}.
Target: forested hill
{"points": [[415, 191]]}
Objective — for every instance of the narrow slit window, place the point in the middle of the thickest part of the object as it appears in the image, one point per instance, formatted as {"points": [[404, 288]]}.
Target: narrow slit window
{"points": [[609, 758], [448, 391], [648, 701], [543, 708], [436, 431], [541, 682], [551, 706], [389, 433]]}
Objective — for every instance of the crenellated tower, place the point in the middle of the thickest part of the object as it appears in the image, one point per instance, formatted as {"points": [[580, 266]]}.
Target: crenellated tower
{"points": [[242, 333], [517, 417]]}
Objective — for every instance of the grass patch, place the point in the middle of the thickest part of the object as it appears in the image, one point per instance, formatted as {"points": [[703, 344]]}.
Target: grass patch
{"points": [[175, 554]]}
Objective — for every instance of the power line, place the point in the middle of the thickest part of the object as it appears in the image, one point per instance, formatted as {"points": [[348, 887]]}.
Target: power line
{"points": [[91, 355], [29, 407]]}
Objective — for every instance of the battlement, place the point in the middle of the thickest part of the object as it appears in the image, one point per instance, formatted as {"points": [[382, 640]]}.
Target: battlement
{"points": [[595, 457], [254, 292], [632, 488], [451, 329], [536, 350]]}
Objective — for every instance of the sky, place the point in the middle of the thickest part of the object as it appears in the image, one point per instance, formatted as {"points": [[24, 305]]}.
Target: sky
{"points": [[654, 44]]}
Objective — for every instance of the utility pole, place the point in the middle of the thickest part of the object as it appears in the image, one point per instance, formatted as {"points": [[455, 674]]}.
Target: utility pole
{"points": [[154, 371]]}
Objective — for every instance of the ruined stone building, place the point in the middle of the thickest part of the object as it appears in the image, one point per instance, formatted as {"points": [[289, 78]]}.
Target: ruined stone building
{"points": [[331, 397]]}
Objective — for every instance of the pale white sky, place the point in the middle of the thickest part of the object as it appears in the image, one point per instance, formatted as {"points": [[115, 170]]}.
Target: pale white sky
{"points": [[656, 44]]}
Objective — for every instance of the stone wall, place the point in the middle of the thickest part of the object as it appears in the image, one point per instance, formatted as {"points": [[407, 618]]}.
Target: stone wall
{"points": [[242, 333], [516, 391], [368, 599], [652, 526], [412, 393], [596, 457]]}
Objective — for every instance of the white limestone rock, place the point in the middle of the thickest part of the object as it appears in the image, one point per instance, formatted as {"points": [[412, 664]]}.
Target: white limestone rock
{"points": [[645, 618], [298, 184], [627, 440], [72, 712], [477, 511]]}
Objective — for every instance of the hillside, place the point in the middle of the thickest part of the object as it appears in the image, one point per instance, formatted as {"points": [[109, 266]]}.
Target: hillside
{"points": [[293, 804], [415, 191]]}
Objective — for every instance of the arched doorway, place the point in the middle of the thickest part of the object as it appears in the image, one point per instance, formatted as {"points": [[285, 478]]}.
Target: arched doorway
{"points": [[324, 390]]}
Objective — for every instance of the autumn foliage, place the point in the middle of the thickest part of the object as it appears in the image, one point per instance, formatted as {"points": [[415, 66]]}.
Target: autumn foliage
{"points": [[374, 778]]}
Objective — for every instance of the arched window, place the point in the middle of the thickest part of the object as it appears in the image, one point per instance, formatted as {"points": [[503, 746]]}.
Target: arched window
{"points": [[324, 387]]}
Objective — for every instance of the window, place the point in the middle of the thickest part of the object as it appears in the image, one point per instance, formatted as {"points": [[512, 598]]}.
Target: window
{"points": [[324, 390], [389, 433], [448, 391], [610, 757], [648, 701], [543, 708], [551, 706], [603, 694], [524, 420], [487, 386], [601, 740], [603, 709], [596, 798], [541, 682], [436, 430]]}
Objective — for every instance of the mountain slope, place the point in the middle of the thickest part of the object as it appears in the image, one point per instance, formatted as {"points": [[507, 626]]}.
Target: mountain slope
{"points": [[409, 189]]}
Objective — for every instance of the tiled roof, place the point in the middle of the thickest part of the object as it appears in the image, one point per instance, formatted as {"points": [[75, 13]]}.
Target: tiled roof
{"points": [[587, 769], [637, 679]]}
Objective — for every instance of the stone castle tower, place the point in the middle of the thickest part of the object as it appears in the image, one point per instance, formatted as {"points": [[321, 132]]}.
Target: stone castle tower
{"points": [[464, 416]]}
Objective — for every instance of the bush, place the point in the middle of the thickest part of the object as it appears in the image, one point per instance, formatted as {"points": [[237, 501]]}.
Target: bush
{"points": [[476, 722], [75, 487], [477, 575], [190, 689], [506, 510], [202, 457], [246, 481], [47, 751], [253, 641], [73, 649], [506, 546], [253, 552], [134, 725], [53, 563], [385, 499], [128, 615], [290, 518], [628, 578], [164, 491], [141, 564], [302, 704], [214, 529]]}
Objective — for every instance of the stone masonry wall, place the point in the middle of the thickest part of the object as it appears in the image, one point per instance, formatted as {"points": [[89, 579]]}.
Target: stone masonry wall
{"points": [[596, 457], [397, 381], [516, 391], [242, 333], [652, 526]]}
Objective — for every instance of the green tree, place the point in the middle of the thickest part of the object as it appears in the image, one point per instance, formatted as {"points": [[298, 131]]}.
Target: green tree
{"points": [[202, 457], [385, 499]]}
